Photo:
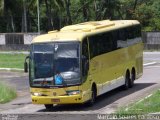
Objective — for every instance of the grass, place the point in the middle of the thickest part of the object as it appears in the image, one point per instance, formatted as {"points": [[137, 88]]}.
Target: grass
{"points": [[6, 93], [12, 60], [150, 104]]}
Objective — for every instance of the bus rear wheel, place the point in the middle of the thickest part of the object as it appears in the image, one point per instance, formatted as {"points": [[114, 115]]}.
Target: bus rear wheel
{"points": [[48, 106], [127, 79], [133, 77]]}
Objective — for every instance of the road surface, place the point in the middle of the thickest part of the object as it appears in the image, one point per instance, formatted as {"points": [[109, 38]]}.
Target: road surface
{"points": [[106, 104]]}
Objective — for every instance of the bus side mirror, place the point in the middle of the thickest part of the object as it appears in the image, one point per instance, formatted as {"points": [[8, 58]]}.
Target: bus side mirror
{"points": [[25, 67], [26, 64]]}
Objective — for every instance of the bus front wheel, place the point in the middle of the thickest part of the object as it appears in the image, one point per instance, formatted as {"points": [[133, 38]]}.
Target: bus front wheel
{"points": [[93, 96], [48, 106]]}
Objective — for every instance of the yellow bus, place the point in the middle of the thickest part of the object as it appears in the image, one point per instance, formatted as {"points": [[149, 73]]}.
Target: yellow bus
{"points": [[82, 61]]}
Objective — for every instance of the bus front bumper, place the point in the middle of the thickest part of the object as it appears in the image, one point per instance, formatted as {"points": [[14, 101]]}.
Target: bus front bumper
{"points": [[73, 99]]}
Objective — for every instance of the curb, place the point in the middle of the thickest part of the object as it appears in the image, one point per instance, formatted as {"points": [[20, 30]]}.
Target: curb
{"points": [[14, 52], [151, 63], [151, 53], [11, 69]]}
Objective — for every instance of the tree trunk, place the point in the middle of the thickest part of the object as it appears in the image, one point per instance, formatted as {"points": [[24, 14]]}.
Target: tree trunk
{"points": [[48, 14], [38, 18], [95, 9], [12, 24], [110, 10], [135, 4], [69, 19], [84, 7], [25, 16]]}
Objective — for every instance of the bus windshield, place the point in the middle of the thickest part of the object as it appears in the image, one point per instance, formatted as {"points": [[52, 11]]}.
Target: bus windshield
{"points": [[55, 64]]}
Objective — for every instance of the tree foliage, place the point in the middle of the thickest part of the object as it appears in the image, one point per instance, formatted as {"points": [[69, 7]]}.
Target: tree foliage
{"points": [[21, 15]]}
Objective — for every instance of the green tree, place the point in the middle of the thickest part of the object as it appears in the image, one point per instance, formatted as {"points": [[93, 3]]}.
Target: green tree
{"points": [[107, 9], [8, 9], [53, 15], [67, 4], [21, 15]]}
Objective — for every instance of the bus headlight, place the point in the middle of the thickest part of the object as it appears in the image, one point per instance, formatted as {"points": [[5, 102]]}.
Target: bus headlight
{"points": [[73, 92], [36, 94]]}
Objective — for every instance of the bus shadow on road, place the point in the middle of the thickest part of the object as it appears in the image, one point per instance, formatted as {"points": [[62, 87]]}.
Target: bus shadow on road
{"points": [[102, 101]]}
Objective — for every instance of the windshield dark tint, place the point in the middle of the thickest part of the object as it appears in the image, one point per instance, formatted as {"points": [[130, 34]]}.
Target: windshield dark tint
{"points": [[43, 60], [51, 60]]}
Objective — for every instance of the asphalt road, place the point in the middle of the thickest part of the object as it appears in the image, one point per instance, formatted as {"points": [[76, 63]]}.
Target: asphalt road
{"points": [[106, 104]]}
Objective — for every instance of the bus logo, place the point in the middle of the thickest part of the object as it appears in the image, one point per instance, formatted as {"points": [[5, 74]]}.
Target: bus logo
{"points": [[54, 93]]}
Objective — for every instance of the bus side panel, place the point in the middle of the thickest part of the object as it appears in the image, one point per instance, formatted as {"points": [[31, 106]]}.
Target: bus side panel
{"points": [[109, 70]]}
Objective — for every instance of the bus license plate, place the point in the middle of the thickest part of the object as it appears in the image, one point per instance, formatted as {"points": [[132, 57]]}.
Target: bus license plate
{"points": [[55, 100]]}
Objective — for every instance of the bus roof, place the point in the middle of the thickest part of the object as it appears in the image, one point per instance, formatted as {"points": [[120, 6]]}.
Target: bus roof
{"points": [[78, 31]]}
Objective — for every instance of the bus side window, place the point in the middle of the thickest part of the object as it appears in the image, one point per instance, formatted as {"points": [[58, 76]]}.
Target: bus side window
{"points": [[93, 46], [137, 31], [85, 57], [130, 33], [122, 35], [110, 41], [114, 40], [121, 38]]}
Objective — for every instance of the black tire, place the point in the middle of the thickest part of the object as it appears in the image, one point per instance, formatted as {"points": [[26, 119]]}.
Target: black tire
{"points": [[93, 97], [127, 79], [48, 106], [133, 77]]}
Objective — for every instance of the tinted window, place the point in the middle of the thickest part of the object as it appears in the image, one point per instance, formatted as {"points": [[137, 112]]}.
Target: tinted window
{"points": [[102, 43], [85, 48], [137, 31], [122, 34], [109, 41]]}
